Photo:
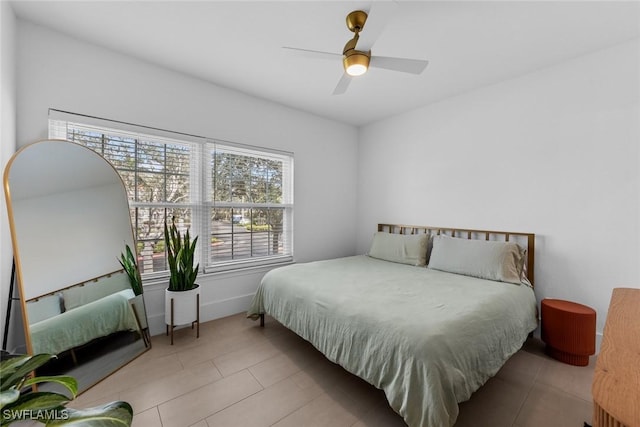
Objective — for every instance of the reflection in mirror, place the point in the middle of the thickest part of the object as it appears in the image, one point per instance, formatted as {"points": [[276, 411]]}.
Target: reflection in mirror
{"points": [[70, 221]]}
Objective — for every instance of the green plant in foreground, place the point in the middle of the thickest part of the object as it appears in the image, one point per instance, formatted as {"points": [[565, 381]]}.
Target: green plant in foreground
{"points": [[180, 256], [128, 261], [19, 402]]}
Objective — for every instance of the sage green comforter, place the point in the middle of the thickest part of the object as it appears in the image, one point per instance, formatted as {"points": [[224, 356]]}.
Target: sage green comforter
{"points": [[83, 324], [429, 339]]}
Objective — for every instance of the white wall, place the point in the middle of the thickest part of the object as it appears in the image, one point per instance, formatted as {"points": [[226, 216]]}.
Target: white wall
{"points": [[554, 152], [7, 148], [67, 74], [42, 252]]}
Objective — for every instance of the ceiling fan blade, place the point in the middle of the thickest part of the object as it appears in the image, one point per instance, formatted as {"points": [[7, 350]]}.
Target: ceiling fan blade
{"points": [[380, 13], [412, 66], [312, 53], [342, 85]]}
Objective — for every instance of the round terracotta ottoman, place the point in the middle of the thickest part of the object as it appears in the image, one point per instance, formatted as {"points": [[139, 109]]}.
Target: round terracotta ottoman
{"points": [[569, 330]]}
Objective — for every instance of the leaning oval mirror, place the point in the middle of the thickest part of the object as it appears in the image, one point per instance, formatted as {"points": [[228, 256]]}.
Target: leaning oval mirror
{"points": [[69, 218]]}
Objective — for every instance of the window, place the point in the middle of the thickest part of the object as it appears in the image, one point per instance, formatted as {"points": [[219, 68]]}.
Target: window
{"points": [[237, 199]]}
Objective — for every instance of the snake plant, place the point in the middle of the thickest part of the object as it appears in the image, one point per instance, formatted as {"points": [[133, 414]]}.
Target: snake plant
{"points": [[128, 261], [180, 256]]}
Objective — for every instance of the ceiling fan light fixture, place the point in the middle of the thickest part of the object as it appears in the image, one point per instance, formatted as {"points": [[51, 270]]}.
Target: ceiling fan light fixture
{"points": [[356, 63]]}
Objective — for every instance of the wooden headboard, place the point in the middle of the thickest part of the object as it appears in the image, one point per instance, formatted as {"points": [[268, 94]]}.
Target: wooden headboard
{"points": [[527, 240]]}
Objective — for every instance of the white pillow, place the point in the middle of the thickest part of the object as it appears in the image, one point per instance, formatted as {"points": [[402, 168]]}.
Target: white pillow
{"points": [[498, 261], [403, 248], [44, 308]]}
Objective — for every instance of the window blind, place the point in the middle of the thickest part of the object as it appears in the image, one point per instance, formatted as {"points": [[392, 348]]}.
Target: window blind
{"points": [[238, 199]]}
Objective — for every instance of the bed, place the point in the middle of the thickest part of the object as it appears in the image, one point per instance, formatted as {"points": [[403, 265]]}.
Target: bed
{"points": [[82, 324], [428, 336]]}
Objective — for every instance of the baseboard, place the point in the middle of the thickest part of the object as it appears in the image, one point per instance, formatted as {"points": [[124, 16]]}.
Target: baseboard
{"points": [[599, 337]]}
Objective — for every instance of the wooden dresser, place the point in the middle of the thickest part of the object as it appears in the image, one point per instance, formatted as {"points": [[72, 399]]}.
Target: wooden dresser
{"points": [[616, 380]]}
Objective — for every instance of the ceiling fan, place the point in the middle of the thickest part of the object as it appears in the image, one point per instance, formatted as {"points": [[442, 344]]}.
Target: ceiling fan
{"points": [[356, 55]]}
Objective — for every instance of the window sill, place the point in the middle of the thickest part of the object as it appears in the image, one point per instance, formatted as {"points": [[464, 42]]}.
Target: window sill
{"points": [[229, 270]]}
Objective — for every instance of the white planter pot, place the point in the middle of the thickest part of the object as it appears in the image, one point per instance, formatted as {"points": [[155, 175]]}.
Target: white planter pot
{"points": [[185, 306]]}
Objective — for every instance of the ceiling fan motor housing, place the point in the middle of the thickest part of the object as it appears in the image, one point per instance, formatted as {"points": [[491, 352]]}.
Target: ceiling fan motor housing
{"points": [[356, 20]]}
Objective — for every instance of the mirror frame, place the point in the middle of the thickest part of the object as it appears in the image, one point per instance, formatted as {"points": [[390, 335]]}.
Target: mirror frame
{"points": [[18, 261]]}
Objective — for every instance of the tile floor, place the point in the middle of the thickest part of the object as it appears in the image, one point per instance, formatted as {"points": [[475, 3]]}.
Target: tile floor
{"points": [[238, 374]]}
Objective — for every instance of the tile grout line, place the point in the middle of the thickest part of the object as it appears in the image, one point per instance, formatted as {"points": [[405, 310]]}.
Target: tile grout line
{"points": [[246, 367], [568, 392], [244, 398], [157, 405], [159, 417], [265, 389], [524, 401], [205, 385]]}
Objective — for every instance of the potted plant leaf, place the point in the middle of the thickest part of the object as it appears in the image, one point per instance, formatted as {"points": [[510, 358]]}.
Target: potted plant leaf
{"points": [[182, 297], [129, 263], [18, 401]]}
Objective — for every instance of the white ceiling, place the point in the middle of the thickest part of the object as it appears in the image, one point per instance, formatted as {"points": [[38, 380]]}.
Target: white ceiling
{"points": [[237, 44]]}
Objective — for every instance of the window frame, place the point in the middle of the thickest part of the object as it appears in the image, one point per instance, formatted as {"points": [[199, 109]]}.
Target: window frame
{"points": [[202, 201]]}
